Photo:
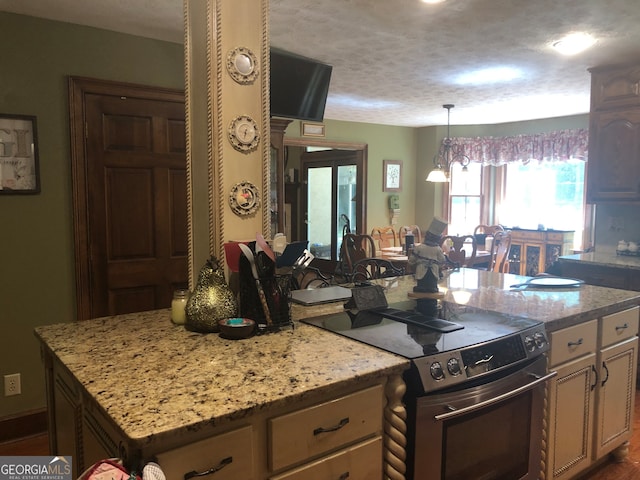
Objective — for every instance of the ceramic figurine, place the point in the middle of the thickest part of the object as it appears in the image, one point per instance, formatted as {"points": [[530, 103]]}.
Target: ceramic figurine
{"points": [[427, 258]]}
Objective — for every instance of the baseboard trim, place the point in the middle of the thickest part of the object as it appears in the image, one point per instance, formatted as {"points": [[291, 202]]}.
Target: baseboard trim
{"points": [[23, 425]]}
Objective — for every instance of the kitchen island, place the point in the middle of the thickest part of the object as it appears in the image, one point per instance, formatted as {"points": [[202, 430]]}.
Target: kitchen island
{"points": [[138, 387], [606, 269]]}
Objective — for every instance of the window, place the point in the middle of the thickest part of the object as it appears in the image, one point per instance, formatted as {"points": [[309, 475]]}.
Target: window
{"points": [[465, 191], [548, 194]]}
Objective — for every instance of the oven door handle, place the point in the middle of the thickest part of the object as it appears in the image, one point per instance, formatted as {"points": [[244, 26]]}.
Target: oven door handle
{"points": [[512, 393]]}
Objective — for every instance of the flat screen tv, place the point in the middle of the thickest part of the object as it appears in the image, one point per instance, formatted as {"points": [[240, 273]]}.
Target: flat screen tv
{"points": [[298, 86]]}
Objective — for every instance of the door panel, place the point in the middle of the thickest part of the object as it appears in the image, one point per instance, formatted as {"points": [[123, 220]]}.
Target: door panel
{"points": [[131, 223]]}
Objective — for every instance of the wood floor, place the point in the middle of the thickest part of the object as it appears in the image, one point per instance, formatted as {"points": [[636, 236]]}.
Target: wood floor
{"points": [[629, 469]]}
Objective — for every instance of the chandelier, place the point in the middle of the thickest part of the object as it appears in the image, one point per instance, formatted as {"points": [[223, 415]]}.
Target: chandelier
{"points": [[447, 155]]}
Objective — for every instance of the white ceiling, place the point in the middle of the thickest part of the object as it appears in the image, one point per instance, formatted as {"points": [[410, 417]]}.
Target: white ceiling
{"points": [[396, 62]]}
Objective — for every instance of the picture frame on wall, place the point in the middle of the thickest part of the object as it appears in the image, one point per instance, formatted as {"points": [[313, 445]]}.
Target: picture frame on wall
{"points": [[19, 163], [312, 129], [392, 175]]}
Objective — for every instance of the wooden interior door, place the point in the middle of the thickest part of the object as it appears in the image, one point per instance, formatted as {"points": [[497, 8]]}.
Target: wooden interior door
{"points": [[130, 196]]}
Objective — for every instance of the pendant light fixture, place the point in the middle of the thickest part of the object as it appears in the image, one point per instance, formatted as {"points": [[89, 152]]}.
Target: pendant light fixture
{"points": [[447, 155]]}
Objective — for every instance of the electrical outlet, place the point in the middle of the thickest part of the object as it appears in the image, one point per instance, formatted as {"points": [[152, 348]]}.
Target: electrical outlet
{"points": [[12, 385]]}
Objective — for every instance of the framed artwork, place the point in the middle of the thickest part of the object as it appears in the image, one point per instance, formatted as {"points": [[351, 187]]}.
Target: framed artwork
{"points": [[19, 168], [312, 129], [391, 175]]}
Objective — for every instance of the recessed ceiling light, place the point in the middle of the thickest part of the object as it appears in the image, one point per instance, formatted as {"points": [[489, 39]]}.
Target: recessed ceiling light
{"points": [[574, 43]]}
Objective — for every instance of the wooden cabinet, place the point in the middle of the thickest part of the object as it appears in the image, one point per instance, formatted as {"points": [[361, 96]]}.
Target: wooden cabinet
{"points": [[617, 359], [228, 455], [533, 251], [305, 434], [613, 169], [571, 400], [591, 400], [337, 435]]}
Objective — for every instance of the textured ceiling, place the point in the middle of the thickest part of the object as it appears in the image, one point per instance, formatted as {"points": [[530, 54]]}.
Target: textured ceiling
{"points": [[397, 62]]}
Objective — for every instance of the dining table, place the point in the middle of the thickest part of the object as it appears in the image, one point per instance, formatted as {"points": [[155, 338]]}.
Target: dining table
{"points": [[399, 258]]}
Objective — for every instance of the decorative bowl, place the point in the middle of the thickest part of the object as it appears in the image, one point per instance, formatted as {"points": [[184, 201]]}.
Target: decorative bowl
{"points": [[236, 328]]}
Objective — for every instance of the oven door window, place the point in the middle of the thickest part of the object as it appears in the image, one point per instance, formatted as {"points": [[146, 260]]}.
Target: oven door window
{"points": [[490, 444]]}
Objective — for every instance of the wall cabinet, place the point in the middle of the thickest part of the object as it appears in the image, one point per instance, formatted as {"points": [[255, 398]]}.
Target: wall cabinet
{"points": [[613, 170], [533, 251], [591, 400]]}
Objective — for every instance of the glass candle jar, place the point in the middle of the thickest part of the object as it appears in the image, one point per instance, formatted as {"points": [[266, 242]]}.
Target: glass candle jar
{"points": [[178, 304]]}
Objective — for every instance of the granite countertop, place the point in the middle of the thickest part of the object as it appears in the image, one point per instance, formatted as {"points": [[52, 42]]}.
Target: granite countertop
{"points": [[155, 379], [556, 307], [605, 259]]}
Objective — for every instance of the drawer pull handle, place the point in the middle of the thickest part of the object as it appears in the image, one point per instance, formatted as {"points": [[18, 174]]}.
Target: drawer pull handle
{"points": [[622, 327], [220, 466], [342, 423], [344, 476], [575, 344]]}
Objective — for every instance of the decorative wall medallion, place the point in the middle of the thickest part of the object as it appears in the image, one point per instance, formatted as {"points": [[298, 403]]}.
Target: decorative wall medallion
{"points": [[242, 65], [244, 134], [244, 198]]}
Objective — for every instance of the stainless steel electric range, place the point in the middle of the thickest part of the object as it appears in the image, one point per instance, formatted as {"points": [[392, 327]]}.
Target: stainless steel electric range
{"points": [[475, 374]]}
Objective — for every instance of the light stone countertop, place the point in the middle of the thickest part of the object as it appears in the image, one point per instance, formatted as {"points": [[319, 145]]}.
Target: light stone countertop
{"points": [[605, 259], [556, 307], [156, 379]]}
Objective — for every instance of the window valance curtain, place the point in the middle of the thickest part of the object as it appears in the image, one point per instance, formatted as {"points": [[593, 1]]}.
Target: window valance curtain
{"points": [[556, 146]]}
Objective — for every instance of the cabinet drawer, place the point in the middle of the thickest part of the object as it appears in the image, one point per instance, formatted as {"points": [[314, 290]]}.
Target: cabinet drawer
{"points": [[573, 342], [619, 326], [206, 454], [527, 236], [300, 435], [360, 462]]}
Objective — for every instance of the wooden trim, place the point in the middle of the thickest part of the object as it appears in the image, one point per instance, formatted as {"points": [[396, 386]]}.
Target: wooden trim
{"points": [[23, 425]]}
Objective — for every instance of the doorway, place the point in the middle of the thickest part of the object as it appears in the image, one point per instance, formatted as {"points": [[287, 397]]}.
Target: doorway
{"points": [[330, 199], [128, 161], [332, 154]]}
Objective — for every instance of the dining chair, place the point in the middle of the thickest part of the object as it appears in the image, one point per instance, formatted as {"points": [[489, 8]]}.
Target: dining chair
{"points": [[481, 232], [372, 268], [356, 247], [456, 249], [499, 256], [384, 237], [415, 229]]}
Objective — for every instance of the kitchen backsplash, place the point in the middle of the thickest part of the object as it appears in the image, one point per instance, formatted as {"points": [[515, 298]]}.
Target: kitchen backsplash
{"points": [[614, 223]]}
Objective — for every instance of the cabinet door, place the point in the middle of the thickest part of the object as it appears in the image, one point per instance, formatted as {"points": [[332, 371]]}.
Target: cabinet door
{"points": [[613, 169], [67, 413], [515, 258], [571, 399], [533, 258], [616, 395]]}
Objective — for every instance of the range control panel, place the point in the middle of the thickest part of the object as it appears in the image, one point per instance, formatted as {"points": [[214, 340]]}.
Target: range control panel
{"points": [[451, 368]]}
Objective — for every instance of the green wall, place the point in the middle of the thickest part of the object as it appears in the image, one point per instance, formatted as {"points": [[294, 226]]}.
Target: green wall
{"points": [[37, 264]]}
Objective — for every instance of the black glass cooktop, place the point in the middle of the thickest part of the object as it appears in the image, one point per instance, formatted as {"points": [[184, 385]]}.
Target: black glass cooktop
{"points": [[413, 339]]}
